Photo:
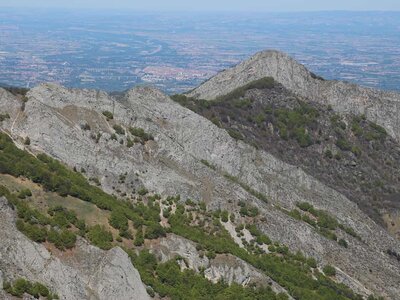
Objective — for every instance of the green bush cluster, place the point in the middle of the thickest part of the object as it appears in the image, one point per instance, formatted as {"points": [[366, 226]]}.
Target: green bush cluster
{"points": [[242, 103], [100, 237], [329, 270], [119, 220], [22, 286], [263, 83], [63, 239], [39, 227], [368, 130], [129, 143], [24, 193], [295, 123], [324, 223], [141, 134], [4, 117], [292, 271], [168, 281], [259, 236], [343, 144], [375, 132], [224, 216], [208, 164], [118, 129], [35, 232], [108, 114], [248, 210], [235, 134]]}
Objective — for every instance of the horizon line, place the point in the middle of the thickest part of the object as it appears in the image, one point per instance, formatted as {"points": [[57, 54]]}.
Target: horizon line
{"points": [[131, 9]]}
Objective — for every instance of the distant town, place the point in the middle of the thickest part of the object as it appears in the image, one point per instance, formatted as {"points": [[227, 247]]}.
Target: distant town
{"points": [[176, 52]]}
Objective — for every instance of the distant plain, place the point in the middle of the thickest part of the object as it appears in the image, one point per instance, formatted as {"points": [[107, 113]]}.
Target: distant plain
{"points": [[114, 50]]}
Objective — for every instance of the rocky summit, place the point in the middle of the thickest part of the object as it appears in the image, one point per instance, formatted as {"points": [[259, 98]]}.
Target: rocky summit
{"points": [[265, 182]]}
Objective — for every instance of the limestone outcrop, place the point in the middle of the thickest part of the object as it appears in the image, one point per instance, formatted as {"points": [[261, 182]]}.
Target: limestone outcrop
{"points": [[381, 107]]}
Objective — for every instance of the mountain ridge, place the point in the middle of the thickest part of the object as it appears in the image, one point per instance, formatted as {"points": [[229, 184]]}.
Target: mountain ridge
{"points": [[381, 107], [144, 142]]}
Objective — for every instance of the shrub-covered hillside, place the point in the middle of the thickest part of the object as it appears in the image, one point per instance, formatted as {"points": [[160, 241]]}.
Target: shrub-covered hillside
{"points": [[150, 217], [346, 152]]}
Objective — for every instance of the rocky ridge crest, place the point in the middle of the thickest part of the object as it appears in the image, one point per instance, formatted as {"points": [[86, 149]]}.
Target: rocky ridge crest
{"points": [[381, 107]]}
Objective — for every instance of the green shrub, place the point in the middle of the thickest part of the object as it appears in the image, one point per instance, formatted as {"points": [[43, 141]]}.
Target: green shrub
{"points": [[27, 141], [154, 231], [22, 286], [62, 240], [235, 134], [379, 131], [4, 117], [206, 163], [356, 151], [305, 206], [39, 289], [356, 128], [139, 238], [328, 154], [263, 83], [302, 137], [118, 129], [143, 191], [249, 211], [129, 143], [62, 217], [328, 234], [260, 118], [312, 262], [224, 216], [326, 221], [140, 133], [108, 114], [308, 220], [24, 193], [343, 144], [294, 213], [343, 243], [118, 220], [329, 270], [34, 232], [100, 237]]}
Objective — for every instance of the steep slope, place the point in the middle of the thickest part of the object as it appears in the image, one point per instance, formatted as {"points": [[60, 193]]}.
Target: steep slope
{"points": [[380, 107], [192, 157], [90, 274], [345, 151]]}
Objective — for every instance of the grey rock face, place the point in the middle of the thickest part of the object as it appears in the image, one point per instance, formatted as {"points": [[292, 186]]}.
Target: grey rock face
{"points": [[171, 164], [380, 107], [223, 267], [90, 273], [171, 246]]}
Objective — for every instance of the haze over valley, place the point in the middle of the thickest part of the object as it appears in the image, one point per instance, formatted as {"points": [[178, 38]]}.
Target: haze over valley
{"points": [[175, 52]]}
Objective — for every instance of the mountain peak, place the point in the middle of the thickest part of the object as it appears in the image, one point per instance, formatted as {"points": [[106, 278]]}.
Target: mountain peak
{"points": [[268, 63], [380, 107]]}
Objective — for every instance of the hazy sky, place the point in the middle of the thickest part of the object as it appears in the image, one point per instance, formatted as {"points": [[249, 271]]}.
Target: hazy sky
{"points": [[212, 5]]}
